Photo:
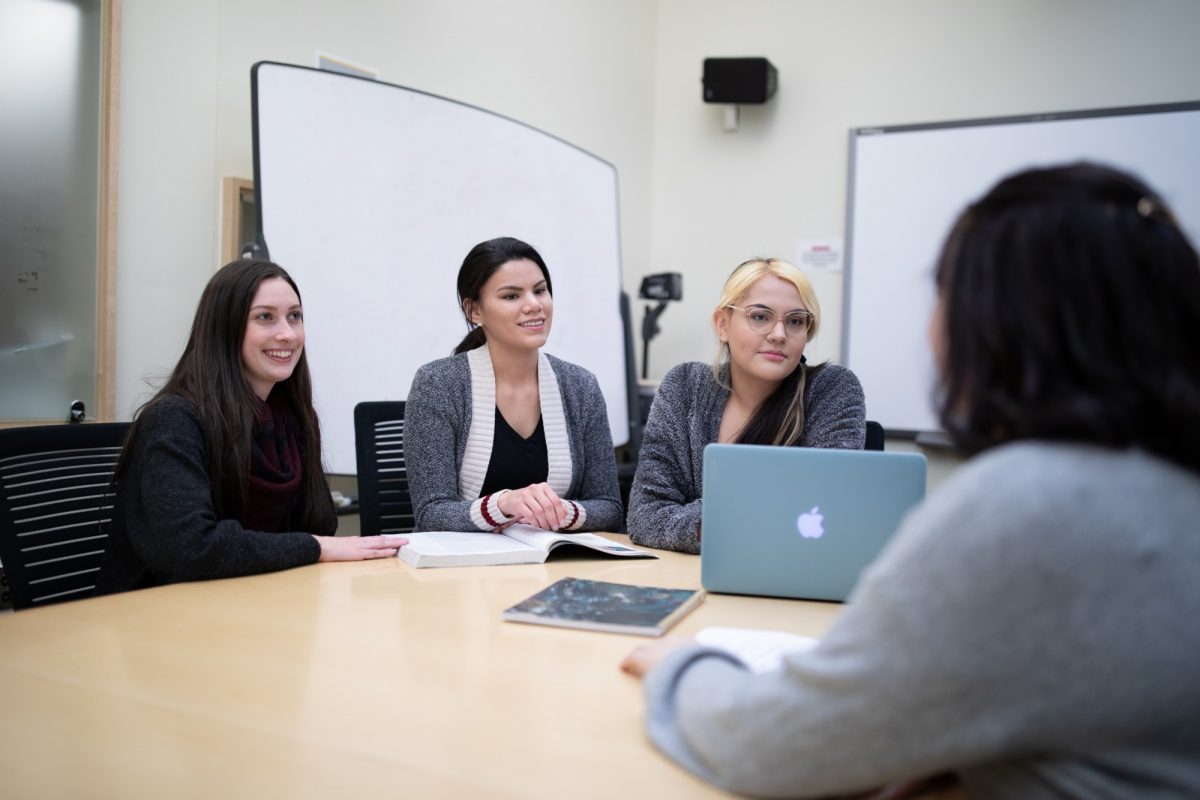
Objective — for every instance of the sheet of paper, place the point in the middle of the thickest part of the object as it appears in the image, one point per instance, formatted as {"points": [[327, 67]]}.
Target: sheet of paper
{"points": [[761, 650], [819, 255]]}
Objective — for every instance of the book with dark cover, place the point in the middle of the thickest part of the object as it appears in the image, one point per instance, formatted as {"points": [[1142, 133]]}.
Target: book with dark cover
{"points": [[601, 606]]}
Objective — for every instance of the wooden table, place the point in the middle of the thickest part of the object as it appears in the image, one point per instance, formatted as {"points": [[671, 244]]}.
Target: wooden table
{"points": [[336, 681]]}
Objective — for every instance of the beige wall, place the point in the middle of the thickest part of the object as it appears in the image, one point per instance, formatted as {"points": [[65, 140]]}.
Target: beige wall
{"points": [[621, 79], [579, 69], [166, 184], [720, 198]]}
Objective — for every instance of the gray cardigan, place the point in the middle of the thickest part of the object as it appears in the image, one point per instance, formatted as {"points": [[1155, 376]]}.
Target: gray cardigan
{"points": [[1033, 627], [448, 423], [164, 528], [664, 504]]}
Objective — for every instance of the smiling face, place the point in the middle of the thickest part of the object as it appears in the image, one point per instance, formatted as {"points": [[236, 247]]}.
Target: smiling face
{"points": [[514, 307], [274, 337], [763, 357]]}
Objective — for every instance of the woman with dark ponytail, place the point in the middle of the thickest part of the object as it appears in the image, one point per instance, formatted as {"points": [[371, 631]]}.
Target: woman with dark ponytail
{"points": [[221, 474], [501, 432], [760, 391]]}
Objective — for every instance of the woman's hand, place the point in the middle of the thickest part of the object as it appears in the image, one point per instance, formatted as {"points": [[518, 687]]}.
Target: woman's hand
{"points": [[358, 548], [646, 657], [536, 504]]}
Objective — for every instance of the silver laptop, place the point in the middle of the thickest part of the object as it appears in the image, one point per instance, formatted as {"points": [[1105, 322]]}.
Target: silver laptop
{"points": [[800, 522]]}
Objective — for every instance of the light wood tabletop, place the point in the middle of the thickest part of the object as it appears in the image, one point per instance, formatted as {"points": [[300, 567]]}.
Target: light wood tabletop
{"points": [[344, 680]]}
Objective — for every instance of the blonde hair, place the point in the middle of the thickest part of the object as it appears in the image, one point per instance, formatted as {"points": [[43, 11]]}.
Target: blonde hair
{"points": [[787, 404]]}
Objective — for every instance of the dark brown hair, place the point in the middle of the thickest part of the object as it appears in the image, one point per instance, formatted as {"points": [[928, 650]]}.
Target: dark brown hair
{"points": [[1071, 311], [210, 375], [479, 265]]}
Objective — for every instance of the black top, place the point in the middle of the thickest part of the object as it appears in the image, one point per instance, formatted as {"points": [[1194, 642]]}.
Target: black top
{"points": [[516, 462], [164, 528]]}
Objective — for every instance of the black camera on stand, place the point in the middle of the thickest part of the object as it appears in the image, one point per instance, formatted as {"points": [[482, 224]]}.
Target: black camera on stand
{"points": [[663, 287]]}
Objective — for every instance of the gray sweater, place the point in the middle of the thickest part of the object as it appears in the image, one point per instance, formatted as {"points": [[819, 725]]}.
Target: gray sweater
{"points": [[1032, 627], [448, 424], [164, 528], [664, 504]]}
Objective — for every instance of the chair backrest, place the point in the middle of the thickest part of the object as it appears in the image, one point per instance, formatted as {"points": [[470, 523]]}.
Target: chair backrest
{"points": [[874, 436], [383, 500], [56, 508]]}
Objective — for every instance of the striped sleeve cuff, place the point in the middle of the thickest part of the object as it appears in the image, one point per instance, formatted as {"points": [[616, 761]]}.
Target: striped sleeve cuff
{"points": [[576, 516], [486, 513]]}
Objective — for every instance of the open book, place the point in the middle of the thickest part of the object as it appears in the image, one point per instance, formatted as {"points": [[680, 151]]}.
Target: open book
{"points": [[518, 544], [602, 606]]}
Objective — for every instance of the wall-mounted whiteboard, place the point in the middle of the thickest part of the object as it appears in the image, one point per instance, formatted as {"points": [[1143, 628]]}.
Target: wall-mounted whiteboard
{"points": [[371, 194], [908, 183]]}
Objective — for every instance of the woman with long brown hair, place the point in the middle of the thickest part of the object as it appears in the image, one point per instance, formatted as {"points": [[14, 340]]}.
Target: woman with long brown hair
{"points": [[221, 472]]}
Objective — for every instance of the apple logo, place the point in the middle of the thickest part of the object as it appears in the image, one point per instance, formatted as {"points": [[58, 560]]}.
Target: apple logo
{"points": [[809, 524]]}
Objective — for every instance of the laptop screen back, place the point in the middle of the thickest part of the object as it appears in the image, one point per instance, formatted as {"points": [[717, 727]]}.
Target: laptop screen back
{"points": [[800, 522]]}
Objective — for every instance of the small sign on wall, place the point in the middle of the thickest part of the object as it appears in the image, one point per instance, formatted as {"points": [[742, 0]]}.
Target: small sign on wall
{"points": [[819, 255]]}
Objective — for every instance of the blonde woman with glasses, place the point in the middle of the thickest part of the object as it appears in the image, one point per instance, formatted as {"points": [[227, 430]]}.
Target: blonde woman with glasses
{"points": [[761, 390]]}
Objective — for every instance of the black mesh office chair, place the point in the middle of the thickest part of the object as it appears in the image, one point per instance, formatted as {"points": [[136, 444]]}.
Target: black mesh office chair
{"points": [[874, 436], [383, 500], [55, 508]]}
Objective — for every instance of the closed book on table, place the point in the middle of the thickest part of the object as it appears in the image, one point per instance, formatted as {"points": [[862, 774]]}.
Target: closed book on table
{"points": [[602, 606]]}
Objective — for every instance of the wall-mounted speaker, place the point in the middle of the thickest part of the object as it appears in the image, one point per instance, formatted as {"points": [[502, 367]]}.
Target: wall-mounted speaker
{"points": [[739, 80]]}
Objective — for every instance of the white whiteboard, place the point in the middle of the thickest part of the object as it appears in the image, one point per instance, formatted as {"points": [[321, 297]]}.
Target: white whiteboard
{"points": [[908, 183], [370, 195]]}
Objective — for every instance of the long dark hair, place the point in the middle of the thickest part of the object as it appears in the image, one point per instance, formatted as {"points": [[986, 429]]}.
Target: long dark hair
{"points": [[479, 265], [209, 374], [1071, 311]]}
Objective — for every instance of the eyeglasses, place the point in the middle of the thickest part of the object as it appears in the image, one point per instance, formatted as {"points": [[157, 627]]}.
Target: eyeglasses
{"points": [[763, 320]]}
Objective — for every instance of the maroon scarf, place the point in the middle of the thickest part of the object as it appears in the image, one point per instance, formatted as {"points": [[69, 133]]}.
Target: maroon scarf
{"points": [[275, 468]]}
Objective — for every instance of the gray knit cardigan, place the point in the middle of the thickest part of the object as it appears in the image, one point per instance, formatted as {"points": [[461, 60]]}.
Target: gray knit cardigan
{"points": [[664, 505], [449, 422]]}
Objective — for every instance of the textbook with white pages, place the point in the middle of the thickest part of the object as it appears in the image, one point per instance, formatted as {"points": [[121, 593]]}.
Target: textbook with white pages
{"points": [[517, 544]]}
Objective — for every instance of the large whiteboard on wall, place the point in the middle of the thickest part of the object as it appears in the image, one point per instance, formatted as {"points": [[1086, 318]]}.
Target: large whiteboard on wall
{"points": [[908, 183], [371, 194]]}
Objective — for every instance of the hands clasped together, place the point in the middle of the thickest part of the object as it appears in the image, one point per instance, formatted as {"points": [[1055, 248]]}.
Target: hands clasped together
{"points": [[537, 505]]}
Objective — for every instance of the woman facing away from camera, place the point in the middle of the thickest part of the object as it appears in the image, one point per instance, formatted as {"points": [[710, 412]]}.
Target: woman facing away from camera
{"points": [[501, 432], [760, 391], [1031, 629], [221, 475]]}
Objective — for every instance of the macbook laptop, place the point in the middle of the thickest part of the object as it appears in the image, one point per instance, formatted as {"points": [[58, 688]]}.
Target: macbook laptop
{"points": [[800, 522]]}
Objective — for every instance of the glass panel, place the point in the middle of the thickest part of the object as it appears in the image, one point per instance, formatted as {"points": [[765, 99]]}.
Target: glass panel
{"points": [[50, 72]]}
